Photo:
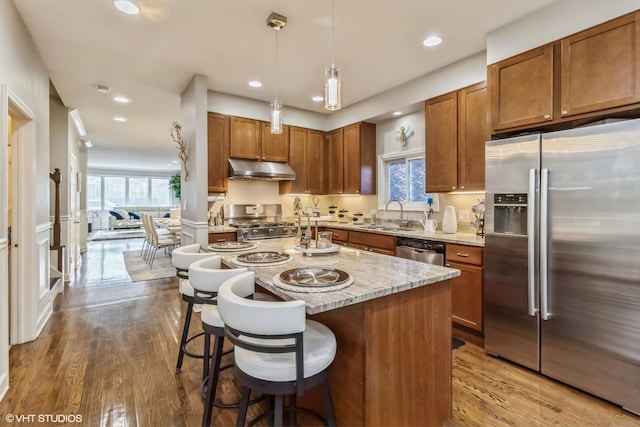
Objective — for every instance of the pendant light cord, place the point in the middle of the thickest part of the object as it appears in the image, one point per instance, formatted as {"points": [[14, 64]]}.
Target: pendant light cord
{"points": [[277, 77], [333, 25]]}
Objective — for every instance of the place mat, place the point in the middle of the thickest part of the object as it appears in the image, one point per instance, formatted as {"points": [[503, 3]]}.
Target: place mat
{"points": [[243, 259], [309, 280]]}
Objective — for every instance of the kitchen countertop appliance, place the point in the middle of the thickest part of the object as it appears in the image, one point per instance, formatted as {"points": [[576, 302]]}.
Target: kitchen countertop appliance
{"points": [[562, 238], [420, 250], [257, 221]]}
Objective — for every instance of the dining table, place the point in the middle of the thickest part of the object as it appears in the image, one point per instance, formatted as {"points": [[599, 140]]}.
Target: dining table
{"points": [[392, 321]]}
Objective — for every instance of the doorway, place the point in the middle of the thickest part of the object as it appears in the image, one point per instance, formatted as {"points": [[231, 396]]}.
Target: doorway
{"points": [[10, 192]]}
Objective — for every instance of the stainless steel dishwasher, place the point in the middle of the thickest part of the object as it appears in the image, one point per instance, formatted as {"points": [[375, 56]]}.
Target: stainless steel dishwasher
{"points": [[420, 250]]}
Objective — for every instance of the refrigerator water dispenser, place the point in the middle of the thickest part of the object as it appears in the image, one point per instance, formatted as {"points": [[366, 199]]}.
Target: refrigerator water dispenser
{"points": [[510, 214]]}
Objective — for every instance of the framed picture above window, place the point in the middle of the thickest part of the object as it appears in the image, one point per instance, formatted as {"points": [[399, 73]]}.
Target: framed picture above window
{"points": [[402, 177]]}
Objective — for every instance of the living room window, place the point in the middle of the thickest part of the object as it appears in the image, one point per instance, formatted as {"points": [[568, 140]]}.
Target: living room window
{"points": [[105, 192]]}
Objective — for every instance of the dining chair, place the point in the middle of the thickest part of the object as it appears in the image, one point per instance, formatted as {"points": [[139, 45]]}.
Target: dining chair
{"points": [[157, 242], [278, 351]]}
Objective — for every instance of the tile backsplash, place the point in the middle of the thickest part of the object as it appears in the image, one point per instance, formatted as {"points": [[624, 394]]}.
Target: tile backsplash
{"points": [[254, 191]]}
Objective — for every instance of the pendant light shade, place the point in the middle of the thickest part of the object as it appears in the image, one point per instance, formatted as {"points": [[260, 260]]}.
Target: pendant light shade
{"points": [[276, 117], [332, 88]]}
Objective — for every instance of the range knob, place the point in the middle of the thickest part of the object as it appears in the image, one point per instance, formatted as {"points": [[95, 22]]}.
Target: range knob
{"points": [[270, 230], [285, 229], [255, 231]]}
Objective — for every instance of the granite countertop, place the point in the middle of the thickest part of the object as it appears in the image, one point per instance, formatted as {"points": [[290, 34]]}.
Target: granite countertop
{"points": [[374, 275], [461, 238], [221, 229]]}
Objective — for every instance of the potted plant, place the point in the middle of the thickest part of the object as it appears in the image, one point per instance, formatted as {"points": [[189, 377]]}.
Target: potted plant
{"points": [[174, 185]]}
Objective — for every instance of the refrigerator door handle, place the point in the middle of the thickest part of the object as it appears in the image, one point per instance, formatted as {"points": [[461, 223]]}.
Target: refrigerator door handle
{"points": [[544, 195], [531, 246]]}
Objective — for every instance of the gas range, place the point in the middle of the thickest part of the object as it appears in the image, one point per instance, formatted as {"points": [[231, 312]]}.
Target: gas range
{"points": [[264, 230], [257, 221]]}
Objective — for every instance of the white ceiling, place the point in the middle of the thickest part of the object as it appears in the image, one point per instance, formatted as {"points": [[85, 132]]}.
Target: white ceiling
{"points": [[151, 57]]}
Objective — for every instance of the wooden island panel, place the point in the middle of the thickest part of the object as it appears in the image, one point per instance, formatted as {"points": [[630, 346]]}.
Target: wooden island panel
{"points": [[393, 364]]}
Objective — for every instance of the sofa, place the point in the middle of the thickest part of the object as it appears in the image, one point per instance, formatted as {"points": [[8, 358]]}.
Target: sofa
{"points": [[130, 216]]}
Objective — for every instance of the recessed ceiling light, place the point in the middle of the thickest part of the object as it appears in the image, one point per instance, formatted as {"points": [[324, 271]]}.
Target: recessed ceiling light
{"points": [[397, 113], [119, 119], [318, 98], [126, 6], [121, 99], [255, 83], [103, 89], [432, 41]]}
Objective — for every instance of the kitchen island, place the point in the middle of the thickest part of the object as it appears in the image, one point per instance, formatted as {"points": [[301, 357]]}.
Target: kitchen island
{"points": [[393, 327]]}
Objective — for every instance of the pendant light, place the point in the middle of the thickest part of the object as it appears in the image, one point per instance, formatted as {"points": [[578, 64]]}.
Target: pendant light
{"points": [[332, 75], [277, 22]]}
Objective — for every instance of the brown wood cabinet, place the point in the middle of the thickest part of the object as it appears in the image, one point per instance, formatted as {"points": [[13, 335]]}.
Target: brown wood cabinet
{"points": [[339, 236], [245, 137], [223, 237], [335, 163], [359, 158], [274, 147], [457, 126], [373, 242], [252, 140], [306, 158], [351, 160], [217, 152], [590, 74], [466, 289]]}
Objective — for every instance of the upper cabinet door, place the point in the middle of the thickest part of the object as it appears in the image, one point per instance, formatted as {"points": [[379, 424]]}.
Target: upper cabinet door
{"points": [[315, 162], [352, 159], [522, 88], [244, 139], [297, 161], [441, 143], [335, 162], [275, 147], [474, 129], [217, 152], [600, 67]]}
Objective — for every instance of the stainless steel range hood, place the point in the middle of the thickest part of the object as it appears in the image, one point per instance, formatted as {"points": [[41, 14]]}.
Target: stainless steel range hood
{"points": [[270, 171]]}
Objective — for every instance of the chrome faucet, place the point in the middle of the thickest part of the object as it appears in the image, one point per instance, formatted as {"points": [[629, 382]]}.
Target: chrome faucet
{"points": [[403, 223]]}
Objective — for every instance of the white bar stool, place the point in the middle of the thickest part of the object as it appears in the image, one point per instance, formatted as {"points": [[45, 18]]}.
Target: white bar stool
{"points": [[206, 276], [182, 258], [278, 351]]}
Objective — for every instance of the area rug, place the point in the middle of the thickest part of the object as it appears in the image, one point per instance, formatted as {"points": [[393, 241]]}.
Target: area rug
{"points": [[139, 270], [115, 234]]}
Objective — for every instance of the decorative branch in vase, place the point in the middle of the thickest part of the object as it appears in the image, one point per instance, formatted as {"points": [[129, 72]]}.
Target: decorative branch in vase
{"points": [[176, 133]]}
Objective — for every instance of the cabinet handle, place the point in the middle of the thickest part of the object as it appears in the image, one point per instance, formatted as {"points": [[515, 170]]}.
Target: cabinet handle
{"points": [[462, 254], [447, 265], [453, 188], [221, 240], [563, 112], [547, 116], [335, 235], [462, 187]]}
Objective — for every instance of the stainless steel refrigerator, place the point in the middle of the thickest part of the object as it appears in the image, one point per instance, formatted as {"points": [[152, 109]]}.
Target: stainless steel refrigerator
{"points": [[562, 257]]}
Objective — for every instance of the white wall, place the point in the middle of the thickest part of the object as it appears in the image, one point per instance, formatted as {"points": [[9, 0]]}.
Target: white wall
{"points": [[23, 72], [559, 19]]}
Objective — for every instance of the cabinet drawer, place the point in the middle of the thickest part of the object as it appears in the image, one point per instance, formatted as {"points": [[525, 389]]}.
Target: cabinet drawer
{"points": [[463, 253], [338, 235], [380, 241], [222, 237]]}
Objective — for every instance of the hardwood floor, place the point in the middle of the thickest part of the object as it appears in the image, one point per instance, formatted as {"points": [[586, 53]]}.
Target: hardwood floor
{"points": [[108, 354]]}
